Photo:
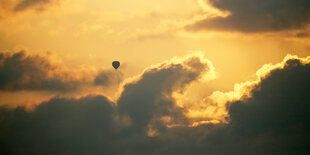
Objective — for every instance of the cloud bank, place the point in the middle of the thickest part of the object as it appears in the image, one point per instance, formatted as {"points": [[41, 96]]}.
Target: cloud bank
{"points": [[257, 16], [272, 119]]}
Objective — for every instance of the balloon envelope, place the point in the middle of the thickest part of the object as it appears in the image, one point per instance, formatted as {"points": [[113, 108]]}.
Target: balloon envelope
{"points": [[115, 64]]}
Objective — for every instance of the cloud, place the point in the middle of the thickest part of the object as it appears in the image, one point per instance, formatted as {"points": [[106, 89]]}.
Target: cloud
{"points": [[303, 34], [26, 4], [78, 125], [9, 7], [272, 119], [144, 107], [107, 77], [150, 98], [24, 71], [257, 16]]}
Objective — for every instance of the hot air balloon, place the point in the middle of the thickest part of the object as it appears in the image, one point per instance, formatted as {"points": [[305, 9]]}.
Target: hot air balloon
{"points": [[115, 64]]}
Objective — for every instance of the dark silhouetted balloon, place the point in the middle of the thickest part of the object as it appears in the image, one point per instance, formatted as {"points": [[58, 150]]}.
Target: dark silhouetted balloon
{"points": [[115, 64]]}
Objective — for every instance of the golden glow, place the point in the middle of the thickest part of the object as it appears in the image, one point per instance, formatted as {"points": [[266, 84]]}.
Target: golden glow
{"points": [[88, 35]]}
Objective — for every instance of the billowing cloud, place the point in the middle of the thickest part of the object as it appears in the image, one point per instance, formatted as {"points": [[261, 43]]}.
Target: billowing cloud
{"points": [[59, 124], [24, 71], [275, 117], [257, 16], [150, 98], [272, 119], [142, 111]]}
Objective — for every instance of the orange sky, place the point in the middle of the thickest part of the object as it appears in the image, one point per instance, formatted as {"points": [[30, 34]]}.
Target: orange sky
{"points": [[195, 77], [91, 34]]}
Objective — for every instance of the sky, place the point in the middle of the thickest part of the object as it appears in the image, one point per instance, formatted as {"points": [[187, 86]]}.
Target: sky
{"points": [[195, 77]]}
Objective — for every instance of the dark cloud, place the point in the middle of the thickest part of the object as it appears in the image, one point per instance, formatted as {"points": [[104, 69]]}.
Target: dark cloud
{"points": [[65, 126], [25, 4], [303, 34], [98, 124], [108, 77], [150, 98], [273, 120], [9, 7], [258, 16], [22, 71], [276, 117]]}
